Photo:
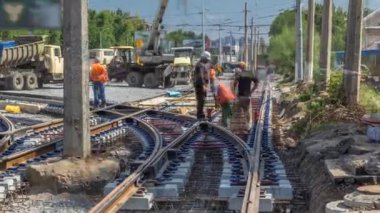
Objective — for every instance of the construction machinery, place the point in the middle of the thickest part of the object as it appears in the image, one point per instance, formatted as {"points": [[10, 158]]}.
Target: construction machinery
{"points": [[183, 63], [28, 62], [151, 68]]}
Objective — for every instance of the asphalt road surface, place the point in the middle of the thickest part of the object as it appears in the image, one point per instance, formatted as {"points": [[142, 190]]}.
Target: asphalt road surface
{"points": [[115, 92]]}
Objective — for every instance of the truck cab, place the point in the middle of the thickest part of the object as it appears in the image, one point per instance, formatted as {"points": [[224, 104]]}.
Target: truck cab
{"points": [[123, 58], [104, 55], [53, 62]]}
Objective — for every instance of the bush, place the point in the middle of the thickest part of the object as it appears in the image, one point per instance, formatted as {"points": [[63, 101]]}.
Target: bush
{"points": [[305, 97], [335, 89]]}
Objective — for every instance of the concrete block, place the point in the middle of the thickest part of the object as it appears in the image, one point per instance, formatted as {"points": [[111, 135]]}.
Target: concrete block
{"points": [[235, 203], [3, 191], [181, 173], [282, 192], [179, 182], [226, 190], [30, 108], [144, 202], [266, 203], [185, 165], [168, 190]]}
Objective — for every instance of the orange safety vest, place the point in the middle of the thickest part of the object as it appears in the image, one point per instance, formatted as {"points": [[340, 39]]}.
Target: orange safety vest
{"points": [[98, 73], [225, 94], [212, 74]]}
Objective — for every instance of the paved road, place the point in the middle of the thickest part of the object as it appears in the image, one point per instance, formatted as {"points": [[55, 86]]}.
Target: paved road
{"points": [[115, 92]]}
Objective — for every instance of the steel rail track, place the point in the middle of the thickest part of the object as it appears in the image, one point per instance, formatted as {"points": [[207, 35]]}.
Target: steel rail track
{"points": [[252, 192], [20, 157], [116, 199], [5, 139], [31, 98]]}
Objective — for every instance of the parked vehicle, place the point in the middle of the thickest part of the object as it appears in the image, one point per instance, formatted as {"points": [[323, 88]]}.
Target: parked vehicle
{"points": [[104, 55], [28, 62], [183, 64]]}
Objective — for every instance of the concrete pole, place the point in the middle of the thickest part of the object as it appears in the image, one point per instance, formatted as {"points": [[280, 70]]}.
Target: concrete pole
{"points": [[220, 45], [76, 98], [353, 52], [251, 61], [310, 43], [325, 52], [246, 34], [256, 45], [299, 45], [203, 27]]}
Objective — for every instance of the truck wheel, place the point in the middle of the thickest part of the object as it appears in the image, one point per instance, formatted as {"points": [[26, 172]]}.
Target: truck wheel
{"points": [[134, 79], [30, 81], [40, 82], [15, 82], [169, 82], [150, 80]]}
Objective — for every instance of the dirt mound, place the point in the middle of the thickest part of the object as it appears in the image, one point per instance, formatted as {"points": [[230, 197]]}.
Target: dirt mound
{"points": [[340, 113], [72, 175]]}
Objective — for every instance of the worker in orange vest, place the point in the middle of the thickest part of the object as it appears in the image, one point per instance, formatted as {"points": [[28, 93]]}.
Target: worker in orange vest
{"points": [[99, 77], [225, 98], [213, 83]]}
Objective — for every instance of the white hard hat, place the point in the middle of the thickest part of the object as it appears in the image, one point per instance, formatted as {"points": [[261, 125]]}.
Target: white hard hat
{"points": [[206, 55]]}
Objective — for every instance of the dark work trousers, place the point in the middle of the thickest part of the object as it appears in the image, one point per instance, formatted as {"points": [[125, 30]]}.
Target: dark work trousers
{"points": [[200, 95]]}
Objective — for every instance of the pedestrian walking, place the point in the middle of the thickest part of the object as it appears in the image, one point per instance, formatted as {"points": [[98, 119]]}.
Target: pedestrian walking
{"points": [[245, 83], [99, 77], [225, 98], [201, 83]]}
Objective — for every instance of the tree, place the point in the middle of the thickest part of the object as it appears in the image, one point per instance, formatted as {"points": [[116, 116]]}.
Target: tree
{"points": [[178, 36], [112, 27], [282, 32]]}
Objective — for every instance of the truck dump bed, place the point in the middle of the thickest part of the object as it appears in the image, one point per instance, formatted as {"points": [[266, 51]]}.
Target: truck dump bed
{"points": [[26, 49]]}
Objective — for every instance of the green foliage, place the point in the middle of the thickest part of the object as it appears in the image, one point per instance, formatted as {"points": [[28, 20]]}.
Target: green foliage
{"points": [[114, 27], [369, 98], [335, 89], [305, 97], [281, 51], [282, 43], [178, 36]]}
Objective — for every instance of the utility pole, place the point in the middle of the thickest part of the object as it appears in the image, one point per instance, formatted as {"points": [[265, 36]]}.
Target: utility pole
{"points": [[299, 45], [308, 77], [325, 52], [245, 33], [203, 27], [353, 52], [257, 33], [231, 46], [252, 62], [76, 99], [220, 44]]}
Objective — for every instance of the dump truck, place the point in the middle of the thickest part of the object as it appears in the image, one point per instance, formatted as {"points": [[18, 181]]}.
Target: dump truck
{"points": [[27, 63]]}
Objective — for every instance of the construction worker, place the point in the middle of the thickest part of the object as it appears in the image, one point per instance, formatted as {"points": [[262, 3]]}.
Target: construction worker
{"points": [[201, 82], [99, 77], [243, 84], [213, 83], [225, 98]]}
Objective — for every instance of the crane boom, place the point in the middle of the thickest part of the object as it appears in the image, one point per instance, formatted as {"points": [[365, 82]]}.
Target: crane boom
{"points": [[154, 37]]}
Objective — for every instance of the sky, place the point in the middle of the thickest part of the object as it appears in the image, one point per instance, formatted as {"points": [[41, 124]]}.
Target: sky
{"points": [[181, 12]]}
